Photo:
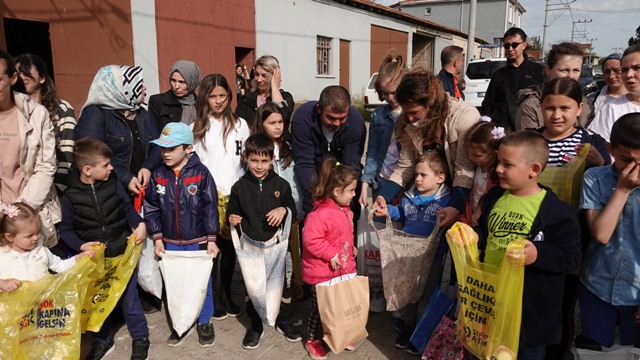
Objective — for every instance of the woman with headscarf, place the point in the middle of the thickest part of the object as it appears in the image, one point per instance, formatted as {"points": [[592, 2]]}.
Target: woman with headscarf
{"points": [[113, 114], [178, 103]]}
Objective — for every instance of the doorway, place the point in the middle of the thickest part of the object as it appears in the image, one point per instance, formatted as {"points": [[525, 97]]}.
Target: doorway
{"points": [[24, 36]]}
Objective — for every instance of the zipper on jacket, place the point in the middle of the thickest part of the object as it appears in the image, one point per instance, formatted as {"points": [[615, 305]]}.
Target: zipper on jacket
{"points": [[260, 183], [177, 211], [95, 197]]}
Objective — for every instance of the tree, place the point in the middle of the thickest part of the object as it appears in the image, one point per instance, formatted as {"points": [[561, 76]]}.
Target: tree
{"points": [[534, 43], [636, 40]]}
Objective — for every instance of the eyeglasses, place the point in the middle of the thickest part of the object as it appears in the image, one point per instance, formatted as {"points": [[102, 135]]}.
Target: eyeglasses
{"points": [[512, 45]]}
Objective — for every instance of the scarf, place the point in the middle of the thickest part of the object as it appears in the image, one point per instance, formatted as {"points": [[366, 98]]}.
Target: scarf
{"points": [[117, 87], [191, 74]]}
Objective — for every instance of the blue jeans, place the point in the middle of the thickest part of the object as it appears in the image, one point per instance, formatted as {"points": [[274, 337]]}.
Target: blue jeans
{"points": [[132, 311], [207, 307]]}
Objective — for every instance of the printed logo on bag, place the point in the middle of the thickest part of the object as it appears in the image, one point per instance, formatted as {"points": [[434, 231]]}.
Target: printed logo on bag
{"points": [[47, 316], [276, 194], [192, 189], [353, 311], [160, 189], [372, 254], [478, 300]]}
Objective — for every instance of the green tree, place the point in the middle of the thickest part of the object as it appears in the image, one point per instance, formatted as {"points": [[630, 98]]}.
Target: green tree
{"points": [[636, 40]]}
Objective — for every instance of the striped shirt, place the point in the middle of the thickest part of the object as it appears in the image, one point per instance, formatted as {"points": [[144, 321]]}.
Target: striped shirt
{"points": [[563, 150]]}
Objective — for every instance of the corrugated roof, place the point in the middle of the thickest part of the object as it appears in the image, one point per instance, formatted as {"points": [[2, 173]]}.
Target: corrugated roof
{"points": [[371, 6]]}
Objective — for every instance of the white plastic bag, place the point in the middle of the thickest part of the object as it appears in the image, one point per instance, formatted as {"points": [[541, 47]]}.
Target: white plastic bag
{"points": [[186, 276], [368, 260], [616, 352], [149, 276]]}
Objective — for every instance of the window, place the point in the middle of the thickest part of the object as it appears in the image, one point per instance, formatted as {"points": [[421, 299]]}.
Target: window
{"points": [[323, 49], [427, 11]]}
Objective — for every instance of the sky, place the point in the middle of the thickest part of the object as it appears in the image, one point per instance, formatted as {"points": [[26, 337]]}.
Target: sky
{"points": [[613, 22]]}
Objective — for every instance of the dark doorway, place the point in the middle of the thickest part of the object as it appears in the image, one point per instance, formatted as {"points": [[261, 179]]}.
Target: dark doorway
{"points": [[23, 36]]}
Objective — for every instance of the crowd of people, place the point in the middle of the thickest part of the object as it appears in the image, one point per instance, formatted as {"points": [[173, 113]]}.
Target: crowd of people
{"points": [[208, 173]]}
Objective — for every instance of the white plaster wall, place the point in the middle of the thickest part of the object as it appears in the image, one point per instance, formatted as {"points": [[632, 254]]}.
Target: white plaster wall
{"points": [[287, 29], [145, 48]]}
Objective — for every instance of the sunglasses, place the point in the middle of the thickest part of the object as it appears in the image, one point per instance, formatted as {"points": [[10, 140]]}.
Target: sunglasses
{"points": [[512, 45]]}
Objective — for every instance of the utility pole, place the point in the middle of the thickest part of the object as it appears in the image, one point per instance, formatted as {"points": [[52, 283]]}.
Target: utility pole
{"points": [[590, 47], [547, 8], [617, 50], [472, 30], [579, 34]]}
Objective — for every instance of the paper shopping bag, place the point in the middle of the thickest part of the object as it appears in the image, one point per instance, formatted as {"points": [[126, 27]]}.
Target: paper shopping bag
{"points": [[185, 298], [343, 304], [41, 319]]}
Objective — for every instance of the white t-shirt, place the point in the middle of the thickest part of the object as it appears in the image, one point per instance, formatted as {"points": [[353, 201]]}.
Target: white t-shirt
{"points": [[223, 160], [611, 112]]}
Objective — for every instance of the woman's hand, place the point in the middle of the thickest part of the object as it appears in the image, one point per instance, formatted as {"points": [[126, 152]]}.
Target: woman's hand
{"points": [[593, 157], [143, 176], [234, 220], [380, 202], [449, 215], [276, 80], [363, 200]]}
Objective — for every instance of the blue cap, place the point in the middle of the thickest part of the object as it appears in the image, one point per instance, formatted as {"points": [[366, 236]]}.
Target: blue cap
{"points": [[174, 134]]}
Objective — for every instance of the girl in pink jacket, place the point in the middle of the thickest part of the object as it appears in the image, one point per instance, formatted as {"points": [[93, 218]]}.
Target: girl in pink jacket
{"points": [[327, 235]]}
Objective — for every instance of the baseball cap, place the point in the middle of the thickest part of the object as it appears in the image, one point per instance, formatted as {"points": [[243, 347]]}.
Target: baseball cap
{"points": [[174, 134]]}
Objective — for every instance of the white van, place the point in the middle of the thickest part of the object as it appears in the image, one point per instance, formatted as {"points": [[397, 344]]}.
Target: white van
{"points": [[371, 99], [477, 78]]}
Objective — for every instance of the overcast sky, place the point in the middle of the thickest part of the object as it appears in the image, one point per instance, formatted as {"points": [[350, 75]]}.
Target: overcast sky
{"points": [[613, 22]]}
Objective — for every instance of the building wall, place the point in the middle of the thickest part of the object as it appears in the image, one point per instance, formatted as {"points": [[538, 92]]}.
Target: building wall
{"points": [[293, 42], [206, 32], [85, 35]]}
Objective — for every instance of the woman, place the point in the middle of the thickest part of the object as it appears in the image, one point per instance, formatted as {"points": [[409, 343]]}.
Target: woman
{"points": [[178, 103], [39, 86], [28, 152], [268, 78], [113, 114], [613, 88], [564, 60]]}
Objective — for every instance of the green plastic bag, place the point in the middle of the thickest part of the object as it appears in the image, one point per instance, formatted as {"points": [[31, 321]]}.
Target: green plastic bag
{"points": [[109, 280], [41, 319], [490, 296]]}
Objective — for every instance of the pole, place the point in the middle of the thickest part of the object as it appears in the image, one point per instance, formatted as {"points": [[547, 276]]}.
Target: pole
{"points": [[472, 30], [544, 28]]}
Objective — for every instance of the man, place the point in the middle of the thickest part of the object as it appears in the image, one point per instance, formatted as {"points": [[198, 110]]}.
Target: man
{"points": [[452, 62], [500, 99], [327, 127]]}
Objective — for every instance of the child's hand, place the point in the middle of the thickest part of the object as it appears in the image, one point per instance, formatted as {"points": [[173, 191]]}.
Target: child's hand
{"points": [[380, 202], [88, 253], [275, 216], [335, 263], [593, 157], [10, 285], [383, 211], [159, 248], [629, 176], [212, 248], [140, 233], [88, 246], [355, 251], [530, 253], [234, 220]]}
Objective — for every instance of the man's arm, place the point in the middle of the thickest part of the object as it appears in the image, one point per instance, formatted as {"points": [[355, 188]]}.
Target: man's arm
{"points": [[303, 146]]}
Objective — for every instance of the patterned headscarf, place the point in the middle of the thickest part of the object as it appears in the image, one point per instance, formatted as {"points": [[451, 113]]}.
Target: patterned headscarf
{"points": [[117, 87], [191, 74]]}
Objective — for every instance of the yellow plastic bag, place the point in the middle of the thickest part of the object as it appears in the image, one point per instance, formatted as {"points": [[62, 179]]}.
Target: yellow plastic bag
{"points": [[566, 180], [490, 296], [41, 320], [223, 201], [109, 280]]}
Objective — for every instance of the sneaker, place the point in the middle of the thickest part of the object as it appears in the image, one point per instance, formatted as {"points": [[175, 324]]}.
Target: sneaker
{"points": [[140, 349], [219, 314], [252, 339], [148, 308], [233, 310], [289, 331], [206, 335], [351, 347], [316, 349], [101, 349], [403, 339], [412, 350], [175, 340]]}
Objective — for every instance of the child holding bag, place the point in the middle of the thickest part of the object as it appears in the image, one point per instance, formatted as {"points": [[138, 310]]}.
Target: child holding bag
{"points": [[327, 235]]}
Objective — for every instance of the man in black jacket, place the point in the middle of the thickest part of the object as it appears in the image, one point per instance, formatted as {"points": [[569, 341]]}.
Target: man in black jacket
{"points": [[452, 62], [500, 99]]}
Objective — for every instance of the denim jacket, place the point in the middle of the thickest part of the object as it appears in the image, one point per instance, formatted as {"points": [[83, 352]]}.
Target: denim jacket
{"points": [[380, 132], [611, 271]]}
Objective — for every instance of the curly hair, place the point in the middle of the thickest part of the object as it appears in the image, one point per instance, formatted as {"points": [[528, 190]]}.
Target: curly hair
{"points": [[48, 94], [420, 87]]}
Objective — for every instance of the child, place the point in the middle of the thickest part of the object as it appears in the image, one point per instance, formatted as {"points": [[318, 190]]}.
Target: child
{"points": [[520, 209], [327, 235], [22, 256], [417, 212], [181, 209], [611, 293], [96, 209], [259, 203], [382, 148], [218, 139], [482, 142], [561, 106]]}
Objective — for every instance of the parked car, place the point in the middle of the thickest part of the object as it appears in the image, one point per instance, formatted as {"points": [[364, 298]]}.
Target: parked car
{"points": [[586, 80], [371, 99], [477, 77]]}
